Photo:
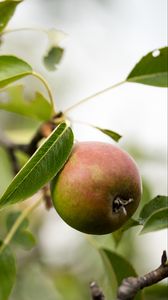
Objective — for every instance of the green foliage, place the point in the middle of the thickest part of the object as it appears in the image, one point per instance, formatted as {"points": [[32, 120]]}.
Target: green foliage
{"points": [[110, 284], [113, 135], [23, 236], [121, 268], [152, 69], [7, 9], [41, 167], [7, 273], [118, 234], [157, 221], [12, 69], [154, 214], [156, 292], [152, 206], [53, 58], [13, 99], [6, 170]]}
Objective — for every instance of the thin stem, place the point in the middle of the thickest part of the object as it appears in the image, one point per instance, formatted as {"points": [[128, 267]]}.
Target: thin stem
{"points": [[23, 29], [93, 96], [42, 79], [18, 222]]}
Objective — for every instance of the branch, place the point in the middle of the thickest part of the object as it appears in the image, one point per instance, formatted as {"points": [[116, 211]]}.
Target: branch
{"points": [[131, 285], [25, 213], [47, 196], [10, 147], [96, 292], [42, 132]]}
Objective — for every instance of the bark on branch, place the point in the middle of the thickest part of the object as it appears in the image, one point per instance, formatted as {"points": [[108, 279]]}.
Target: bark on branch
{"points": [[96, 292], [132, 285]]}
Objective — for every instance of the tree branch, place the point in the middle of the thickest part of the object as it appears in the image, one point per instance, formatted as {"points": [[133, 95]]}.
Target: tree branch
{"points": [[10, 147], [96, 292], [131, 285]]}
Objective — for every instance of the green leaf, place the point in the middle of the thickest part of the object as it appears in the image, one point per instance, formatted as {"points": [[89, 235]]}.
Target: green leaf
{"points": [[55, 52], [22, 237], [12, 69], [118, 234], [157, 221], [110, 282], [45, 163], [120, 265], [7, 9], [152, 206], [114, 135], [152, 69], [122, 268], [25, 239], [13, 99], [156, 292], [7, 273], [11, 219], [53, 58]]}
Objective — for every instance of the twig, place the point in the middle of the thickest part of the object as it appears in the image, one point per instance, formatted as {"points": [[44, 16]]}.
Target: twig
{"points": [[47, 197], [42, 132], [93, 96], [45, 83], [131, 285], [10, 147], [18, 222], [96, 292]]}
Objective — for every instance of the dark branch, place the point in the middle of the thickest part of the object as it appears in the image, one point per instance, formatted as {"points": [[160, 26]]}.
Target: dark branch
{"points": [[10, 147], [47, 197], [131, 285], [44, 131], [96, 292]]}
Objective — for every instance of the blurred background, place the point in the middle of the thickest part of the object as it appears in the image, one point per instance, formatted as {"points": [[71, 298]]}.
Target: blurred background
{"points": [[103, 41]]}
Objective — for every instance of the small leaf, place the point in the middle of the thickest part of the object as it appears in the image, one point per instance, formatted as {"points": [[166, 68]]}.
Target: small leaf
{"points": [[122, 268], [120, 265], [114, 135], [7, 273], [45, 163], [53, 58], [152, 206], [117, 235], [11, 219], [12, 69], [157, 221], [55, 52], [23, 237], [13, 99], [110, 282], [152, 69], [7, 9]]}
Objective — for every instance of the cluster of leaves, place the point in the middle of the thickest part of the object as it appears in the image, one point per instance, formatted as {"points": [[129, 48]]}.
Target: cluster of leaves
{"points": [[53, 153]]}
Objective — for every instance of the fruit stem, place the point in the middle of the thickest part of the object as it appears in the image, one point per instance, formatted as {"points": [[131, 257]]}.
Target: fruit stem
{"points": [[93, 96], [42, 30], [18, 222], [45, 83]]}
